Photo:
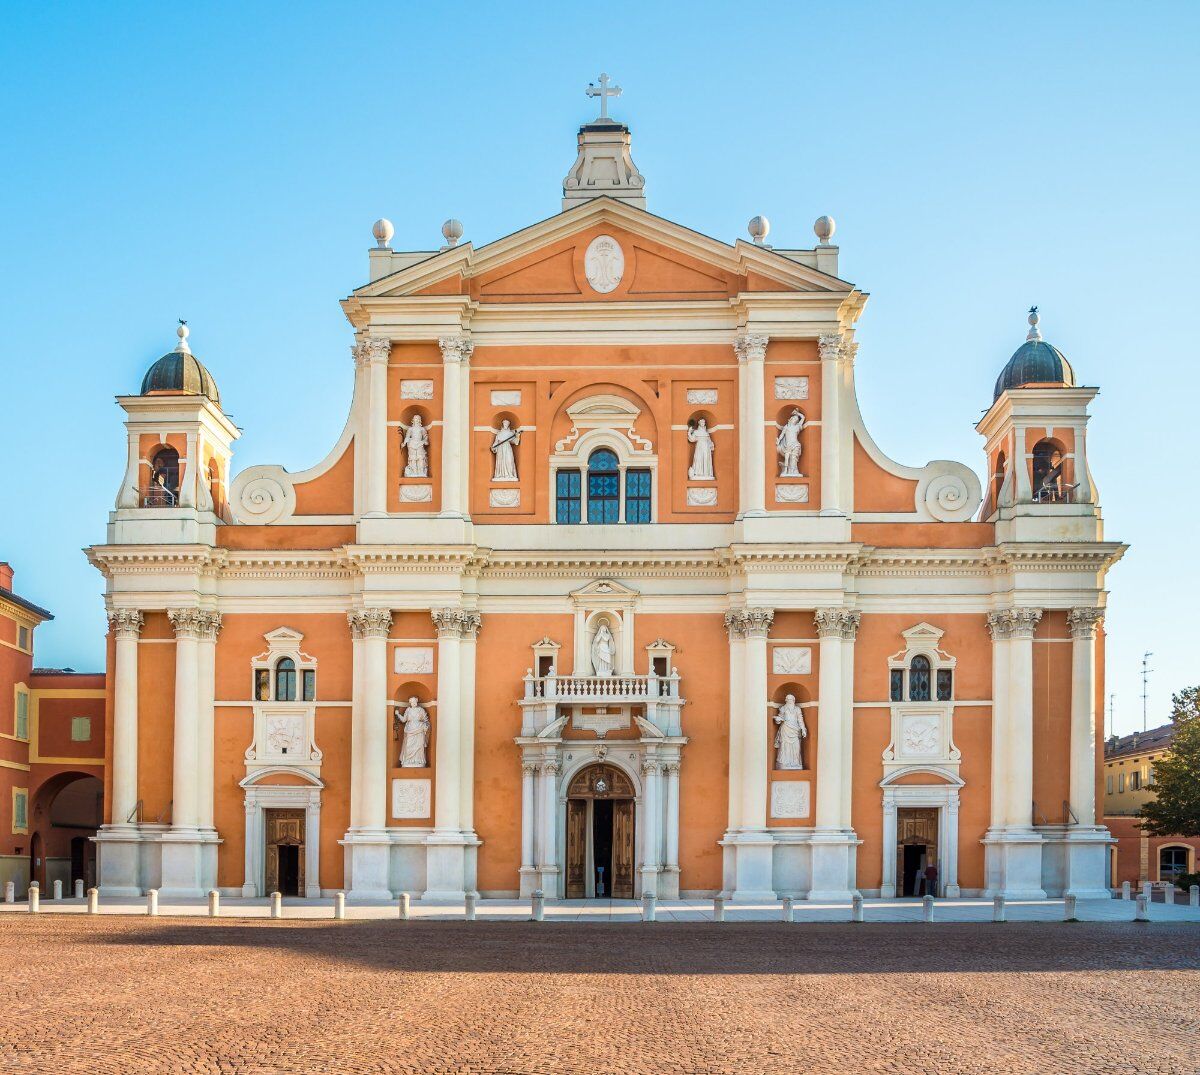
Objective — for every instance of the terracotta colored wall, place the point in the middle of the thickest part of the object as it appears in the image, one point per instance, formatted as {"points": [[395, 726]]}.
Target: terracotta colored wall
{"points": [[333, 492], [1051, 717], [156, 715], [877, 490]]}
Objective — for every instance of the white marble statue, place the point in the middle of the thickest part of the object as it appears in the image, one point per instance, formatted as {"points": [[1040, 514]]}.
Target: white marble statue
{"points": [[416, 443], [415, 720], [702, 455], [505, 439], [790, 736], [603, 651], [787, 443]]}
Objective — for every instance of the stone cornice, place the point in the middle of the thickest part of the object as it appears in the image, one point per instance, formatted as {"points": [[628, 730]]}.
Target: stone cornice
{"points": [[112, 560]]}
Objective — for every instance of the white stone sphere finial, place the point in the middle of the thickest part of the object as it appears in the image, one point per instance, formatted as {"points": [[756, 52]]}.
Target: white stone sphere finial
{"points": [[824, 228], [759, 228], [383, 231], [1035, 333], [452, 231], [183, 332]]}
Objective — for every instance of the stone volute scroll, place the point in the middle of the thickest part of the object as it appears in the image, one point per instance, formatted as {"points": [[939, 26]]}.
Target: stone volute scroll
{"points": [[412, 728]]}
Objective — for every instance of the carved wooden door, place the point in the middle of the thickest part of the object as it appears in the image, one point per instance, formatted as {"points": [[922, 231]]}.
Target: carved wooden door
{"points": [[286, 828], [622, 853], [576, 848]]}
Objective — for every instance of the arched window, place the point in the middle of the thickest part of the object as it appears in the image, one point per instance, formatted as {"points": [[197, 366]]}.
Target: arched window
{"points": [[164, 479], [604, 487], [1049, 482], [1172, 861], [918, 679], [285, 680]]}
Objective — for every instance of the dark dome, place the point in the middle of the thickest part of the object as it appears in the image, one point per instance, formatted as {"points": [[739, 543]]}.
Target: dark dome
{"points": [[1035, 362], [181, 371]]}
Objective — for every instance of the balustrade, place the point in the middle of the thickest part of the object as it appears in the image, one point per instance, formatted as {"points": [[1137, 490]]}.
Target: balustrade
{"points": [[584, 689]]}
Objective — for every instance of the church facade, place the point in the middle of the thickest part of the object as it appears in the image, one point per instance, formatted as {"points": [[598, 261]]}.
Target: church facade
{"points": [[605, 589]]}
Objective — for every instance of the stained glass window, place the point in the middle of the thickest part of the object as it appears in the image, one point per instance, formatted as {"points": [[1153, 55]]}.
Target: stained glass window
{"points": [[309, 679], [945, 681], [567, 496], [285, 680], [897, 684], [637, 496], [918, 679], [604, 487]]}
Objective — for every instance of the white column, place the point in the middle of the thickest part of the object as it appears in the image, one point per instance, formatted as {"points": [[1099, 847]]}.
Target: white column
{"points": [[736, 626], [832, 349], [210, 627], [447, 799], [1023, 622], [187, 623], [751, 349], [998, 625], [375, 717], [456, 426], [830, 731], [528, 849], [249, 856], [650, 769], [672, 862], [357, 721], [549, 863], [470, 623], [372, 355], [1083, 623], [849, 634], [755, 732], [126, 625]]}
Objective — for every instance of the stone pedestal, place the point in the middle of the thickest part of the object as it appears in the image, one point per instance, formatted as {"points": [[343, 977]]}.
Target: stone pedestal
{"points": [[1075, 862], [833, 865], [118, 861], [748, 866], [449, 867], [1013, 864], [188, 864], [368, 859]]}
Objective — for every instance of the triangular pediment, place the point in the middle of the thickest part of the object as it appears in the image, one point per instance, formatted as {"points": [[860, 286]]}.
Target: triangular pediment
{"points": [[545, 262], [605, 590]]}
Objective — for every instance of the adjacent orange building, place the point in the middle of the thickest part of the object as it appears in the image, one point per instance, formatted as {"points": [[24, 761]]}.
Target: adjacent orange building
{"points": [[606, 589]]}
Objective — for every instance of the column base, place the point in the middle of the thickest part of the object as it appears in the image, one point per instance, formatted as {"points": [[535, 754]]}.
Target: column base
{"points": [[529, 881], [833, 854], [548, 881], [119, 861], [449, 867], [650, 876], [749, 866], [1075, 861], [668, 883], [189, 859], [367, 862], [1013, 864]]}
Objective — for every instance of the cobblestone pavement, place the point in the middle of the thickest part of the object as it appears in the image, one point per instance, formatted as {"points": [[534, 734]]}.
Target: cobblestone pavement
{"points": [[116, 994]]}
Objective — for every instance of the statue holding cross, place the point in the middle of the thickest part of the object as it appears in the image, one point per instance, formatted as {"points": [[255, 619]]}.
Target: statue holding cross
{"points": [[604, 91]]}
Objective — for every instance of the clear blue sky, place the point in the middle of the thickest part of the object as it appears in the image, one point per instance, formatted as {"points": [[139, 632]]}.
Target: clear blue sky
{"points": [[224, 163]]}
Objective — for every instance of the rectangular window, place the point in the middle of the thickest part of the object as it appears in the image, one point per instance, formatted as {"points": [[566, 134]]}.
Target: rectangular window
{"points": [[1135, 780], [262, 684], [23, 637], [945, 683], [1121, 782], [310, 683], [897, 684], [568, 496], [637, 496], [21, 730], [1150, 776], [603, 497], [1108, 785], [81, 729], [20, 810]]}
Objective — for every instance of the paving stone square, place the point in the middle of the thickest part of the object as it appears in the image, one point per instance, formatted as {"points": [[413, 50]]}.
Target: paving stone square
{"points": [[175, 995]]}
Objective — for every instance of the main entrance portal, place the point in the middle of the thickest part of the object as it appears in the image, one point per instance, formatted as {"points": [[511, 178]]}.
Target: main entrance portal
{"points": [[285, 852], [917, 851], [600, 834]]}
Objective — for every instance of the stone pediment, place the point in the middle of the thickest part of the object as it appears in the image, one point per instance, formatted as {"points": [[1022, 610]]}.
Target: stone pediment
{"points": [[606, 590]]}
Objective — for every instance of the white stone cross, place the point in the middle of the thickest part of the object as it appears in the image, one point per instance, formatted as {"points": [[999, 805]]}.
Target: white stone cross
{"points": [[604, 91]]}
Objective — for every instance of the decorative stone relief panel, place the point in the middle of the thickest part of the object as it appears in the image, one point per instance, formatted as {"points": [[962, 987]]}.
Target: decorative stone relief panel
{"points": [[701, 497], [413, 661], [791, 660], [416, 390], [791, 388], [604, 264], [920, 736], [410, 799], [506, 397], [505, 498], [702, 395], [416, 494], [790, 798], [600, 722], [791, 494]]}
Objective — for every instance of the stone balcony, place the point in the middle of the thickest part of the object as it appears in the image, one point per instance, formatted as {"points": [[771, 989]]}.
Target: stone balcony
{"points": [[601, 703]]}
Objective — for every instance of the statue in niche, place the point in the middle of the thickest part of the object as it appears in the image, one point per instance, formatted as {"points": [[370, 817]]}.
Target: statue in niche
{"points": [[505, 439], [787, 444], [415, 722], [702, 455], [416, 444], [603, 651], [790, 736]]}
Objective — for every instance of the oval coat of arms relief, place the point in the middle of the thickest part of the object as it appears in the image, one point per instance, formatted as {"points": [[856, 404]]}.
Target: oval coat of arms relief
{"points": [[604, 263]]}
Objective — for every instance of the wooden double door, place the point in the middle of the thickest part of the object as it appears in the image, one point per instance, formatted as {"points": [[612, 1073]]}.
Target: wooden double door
{"points": [[600, 835], [285, 852], [916, 850]]}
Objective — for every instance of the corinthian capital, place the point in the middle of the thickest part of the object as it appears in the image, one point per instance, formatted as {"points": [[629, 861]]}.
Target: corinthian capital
{"points": [[735, 624], [369, 350], [837, 623], [448, 621], [830, 345], [999, 624], [210, 625], [1084, 621], [456, 348], [757, 622], [370, 622], [750, 346], [188, 622], [125, 622], [1023, 622], [469, 624]]}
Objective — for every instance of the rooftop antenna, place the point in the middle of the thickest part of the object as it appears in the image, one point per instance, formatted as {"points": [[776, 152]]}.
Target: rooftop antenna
{"points": [[1111, 700], [1146, 670]]}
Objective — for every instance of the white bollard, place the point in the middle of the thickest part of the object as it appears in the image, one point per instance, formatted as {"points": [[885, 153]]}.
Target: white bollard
{"points": [[57, 889], [927, 909], [538, 905], [93, 901], [214, 904], [718, 908], [1194, 896], [35, 898], [999, 909], [1069, 909], [339, 905], [856, 908], [1142, 911], [152, 902], [10, 892], [1126, 889], [469, 906], [1148, 891], [789, 909], [276, 905], [405, 905], [649, 907], [79, 888]]}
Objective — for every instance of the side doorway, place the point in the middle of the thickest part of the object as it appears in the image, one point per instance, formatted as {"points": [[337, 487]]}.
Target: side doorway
{"points": [[284, 861]]}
